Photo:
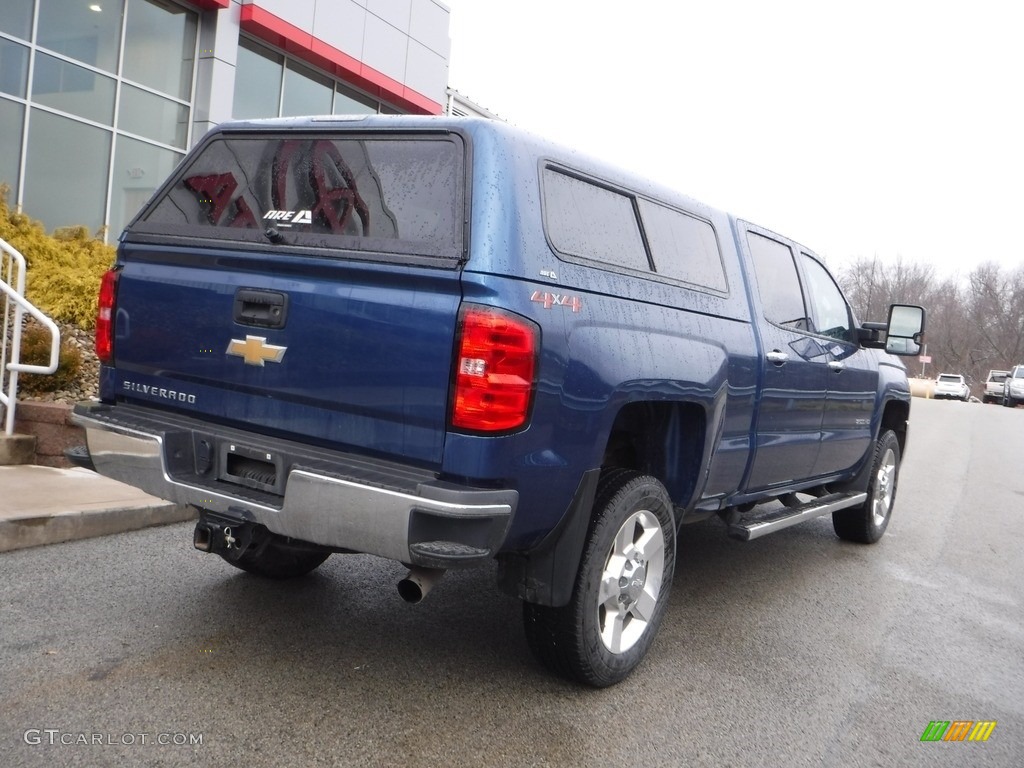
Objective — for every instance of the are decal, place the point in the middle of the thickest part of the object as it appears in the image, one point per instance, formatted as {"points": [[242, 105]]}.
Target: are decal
{"points": [[287, 218]]}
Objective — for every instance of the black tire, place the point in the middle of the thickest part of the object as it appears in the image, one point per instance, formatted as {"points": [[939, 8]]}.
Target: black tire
{"points": [[599, 639], [866, 524], [278, 557]]}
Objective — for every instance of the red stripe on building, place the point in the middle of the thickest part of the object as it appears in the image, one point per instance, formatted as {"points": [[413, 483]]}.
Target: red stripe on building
{"points": [[211, 5], [302, 45]]}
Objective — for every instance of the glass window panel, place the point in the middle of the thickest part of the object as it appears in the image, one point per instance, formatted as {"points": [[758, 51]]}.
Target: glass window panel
{"points": [[70, 88], [831, 313], [66, 169], [79, 32], [592, 222], [682, 246], [139, 168], [146, 114], [257, 82], [305, 92], [348, 102], [778, 283], [160, 47], [395, 195], [13, 68], [16, 18], [11, 117]]}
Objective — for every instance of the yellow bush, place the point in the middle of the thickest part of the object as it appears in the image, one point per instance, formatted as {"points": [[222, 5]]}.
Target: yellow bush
{"points": [[35, 350], [64, 269]]}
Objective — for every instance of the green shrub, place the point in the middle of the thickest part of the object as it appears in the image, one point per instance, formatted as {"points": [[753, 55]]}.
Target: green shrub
{"points": [[35, 350], [64, 269]]}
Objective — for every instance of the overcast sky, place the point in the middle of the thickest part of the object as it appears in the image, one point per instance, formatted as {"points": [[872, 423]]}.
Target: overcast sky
{"points": [[862, 128]]}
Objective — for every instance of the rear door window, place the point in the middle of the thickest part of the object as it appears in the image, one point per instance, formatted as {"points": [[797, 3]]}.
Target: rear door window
{"points": [[387, 194], [778, 283]]}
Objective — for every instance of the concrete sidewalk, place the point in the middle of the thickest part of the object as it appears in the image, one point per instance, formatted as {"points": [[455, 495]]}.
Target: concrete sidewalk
{"points": [[44, 505]]}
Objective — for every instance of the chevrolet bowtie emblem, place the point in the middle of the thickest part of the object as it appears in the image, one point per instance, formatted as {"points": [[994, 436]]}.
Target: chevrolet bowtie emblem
{"points": [[255, 350]]}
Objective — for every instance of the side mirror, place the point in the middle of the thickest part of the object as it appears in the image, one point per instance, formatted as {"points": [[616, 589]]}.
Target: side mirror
{"points": [[905, 330]]}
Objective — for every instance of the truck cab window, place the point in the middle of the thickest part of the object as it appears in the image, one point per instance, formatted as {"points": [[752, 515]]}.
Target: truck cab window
{"points": [[829, 311], [778, 282]]}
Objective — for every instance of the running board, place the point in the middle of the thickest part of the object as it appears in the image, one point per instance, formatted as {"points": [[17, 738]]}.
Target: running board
{"points": [[777, 519]]}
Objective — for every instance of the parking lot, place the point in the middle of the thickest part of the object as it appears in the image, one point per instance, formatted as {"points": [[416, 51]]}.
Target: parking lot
{"points": [[796, 649]]}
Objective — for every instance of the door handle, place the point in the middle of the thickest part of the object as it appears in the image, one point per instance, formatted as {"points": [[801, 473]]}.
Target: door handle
{"points": [[837, 366], [777, 356]]}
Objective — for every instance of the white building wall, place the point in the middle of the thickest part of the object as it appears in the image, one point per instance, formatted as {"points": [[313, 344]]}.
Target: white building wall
{"points": [[406, 40], [215, 69]]}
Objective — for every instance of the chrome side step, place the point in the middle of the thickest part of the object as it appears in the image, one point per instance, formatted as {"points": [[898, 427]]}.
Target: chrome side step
{"points": [[777, 519]]}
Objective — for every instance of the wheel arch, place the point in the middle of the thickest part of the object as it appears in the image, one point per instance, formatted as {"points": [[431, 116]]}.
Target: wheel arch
{"points": [[896, 416], [664, 439]]}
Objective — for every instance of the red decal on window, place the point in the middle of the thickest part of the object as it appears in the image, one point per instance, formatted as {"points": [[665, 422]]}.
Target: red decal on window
{"points": [[330, 180], [243, 216], [214, 192]]}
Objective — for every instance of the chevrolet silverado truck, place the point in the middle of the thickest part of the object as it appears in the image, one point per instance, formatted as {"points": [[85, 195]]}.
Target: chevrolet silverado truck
{"points": [[445, 341]]}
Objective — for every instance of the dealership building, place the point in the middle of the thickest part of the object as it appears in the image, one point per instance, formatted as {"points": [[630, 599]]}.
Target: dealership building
{"points": [[99, 99]]}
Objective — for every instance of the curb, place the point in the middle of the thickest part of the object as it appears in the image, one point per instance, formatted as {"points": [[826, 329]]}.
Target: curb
{"points": [[39, 530], [47, 505]]}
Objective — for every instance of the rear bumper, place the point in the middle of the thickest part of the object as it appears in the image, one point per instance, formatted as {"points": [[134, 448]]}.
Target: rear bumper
{"points": [[325, 497]]}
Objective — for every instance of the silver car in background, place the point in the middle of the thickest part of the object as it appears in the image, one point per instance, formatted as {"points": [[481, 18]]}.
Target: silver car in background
{"points": [[1013, 387]]}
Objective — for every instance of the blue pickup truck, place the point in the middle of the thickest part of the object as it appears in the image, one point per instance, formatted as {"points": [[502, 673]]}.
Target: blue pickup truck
{"points": [[445, 341]]}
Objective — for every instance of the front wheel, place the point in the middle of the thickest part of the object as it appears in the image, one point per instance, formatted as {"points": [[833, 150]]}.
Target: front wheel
{"points": [[622, 586], [866, 524]]}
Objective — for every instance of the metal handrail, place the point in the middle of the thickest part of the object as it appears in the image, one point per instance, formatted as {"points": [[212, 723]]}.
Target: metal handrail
{"points": [[12, 272]]}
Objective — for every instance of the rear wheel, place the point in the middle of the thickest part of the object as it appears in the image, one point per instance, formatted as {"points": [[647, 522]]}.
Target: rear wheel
{"points": [[278, 557], [867, 523], [621, 589]]}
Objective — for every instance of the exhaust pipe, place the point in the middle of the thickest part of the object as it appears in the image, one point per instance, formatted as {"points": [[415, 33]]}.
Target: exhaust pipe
{"points": [[414, 587]]}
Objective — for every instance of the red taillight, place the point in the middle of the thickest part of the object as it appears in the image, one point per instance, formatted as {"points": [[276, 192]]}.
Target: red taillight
{"points": [[494, 370], [105, 317]]}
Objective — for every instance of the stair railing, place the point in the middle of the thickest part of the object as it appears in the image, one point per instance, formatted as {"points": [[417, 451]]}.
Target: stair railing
{"points": [[15, 305]]}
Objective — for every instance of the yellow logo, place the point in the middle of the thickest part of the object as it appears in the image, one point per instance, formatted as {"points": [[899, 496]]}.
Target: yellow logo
{"points": [[255, 350], [958, 730]]}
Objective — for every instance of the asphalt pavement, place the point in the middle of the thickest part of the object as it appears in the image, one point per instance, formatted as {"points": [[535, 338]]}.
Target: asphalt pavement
{"points": [[796, 649], [46, 505]]}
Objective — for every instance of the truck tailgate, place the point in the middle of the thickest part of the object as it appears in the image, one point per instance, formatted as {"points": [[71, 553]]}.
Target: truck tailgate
{"points": [[338, 353]]}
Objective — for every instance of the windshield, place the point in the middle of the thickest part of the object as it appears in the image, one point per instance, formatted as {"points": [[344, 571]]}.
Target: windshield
{"points": [[949, 379]]}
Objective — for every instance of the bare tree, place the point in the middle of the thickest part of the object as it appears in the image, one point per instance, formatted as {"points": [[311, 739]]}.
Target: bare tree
{"points": [[974, 325]]}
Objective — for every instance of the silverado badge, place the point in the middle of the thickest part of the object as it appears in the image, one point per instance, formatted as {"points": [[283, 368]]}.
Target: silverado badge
{"points": [[255, 350]]}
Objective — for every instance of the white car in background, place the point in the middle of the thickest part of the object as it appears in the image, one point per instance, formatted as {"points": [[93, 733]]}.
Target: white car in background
{"points": [[951, 386], [993, 392]]}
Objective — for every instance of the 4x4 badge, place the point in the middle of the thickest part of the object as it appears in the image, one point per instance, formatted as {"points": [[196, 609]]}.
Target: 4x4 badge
{"points": [[255, 350]]}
